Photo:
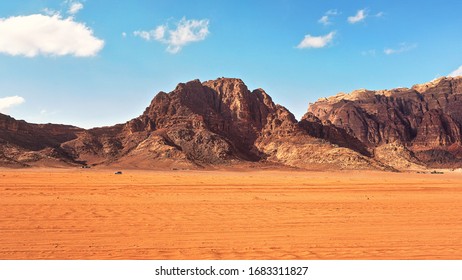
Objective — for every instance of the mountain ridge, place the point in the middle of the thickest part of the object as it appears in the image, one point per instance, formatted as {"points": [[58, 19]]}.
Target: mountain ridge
{"points": [[222, 123], [424, 119]]}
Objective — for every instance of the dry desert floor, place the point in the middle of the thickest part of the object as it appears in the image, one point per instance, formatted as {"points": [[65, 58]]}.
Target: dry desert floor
{"points": [[95, 214]]}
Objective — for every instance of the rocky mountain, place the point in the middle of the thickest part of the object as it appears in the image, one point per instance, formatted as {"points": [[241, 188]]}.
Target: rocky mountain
{"points": [[219, 122], [420, 125], [222, 123], [22, 143]]}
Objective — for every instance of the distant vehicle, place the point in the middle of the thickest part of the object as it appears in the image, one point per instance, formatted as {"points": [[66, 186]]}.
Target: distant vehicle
{"points": [[86, 166], [118, 173]]}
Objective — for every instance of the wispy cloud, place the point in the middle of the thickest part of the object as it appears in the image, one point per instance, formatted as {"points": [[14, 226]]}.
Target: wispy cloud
{"points": [[74, 7], [157, 34], [316, 41], [456, 73], [10, 101], [371, 52], [45, 112], [333, 12], [186, 31], [360, 16], [50, 12], [403, 47], [53, 35], [326, 18]]}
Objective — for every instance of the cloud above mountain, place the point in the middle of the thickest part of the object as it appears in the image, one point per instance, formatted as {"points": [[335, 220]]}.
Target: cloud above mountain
{"points": [[186, 32], [10, 101], [456, 73], [316, 41]]}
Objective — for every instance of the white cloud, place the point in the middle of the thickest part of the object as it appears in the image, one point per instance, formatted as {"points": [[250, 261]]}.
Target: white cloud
{"points": [[74, 8], [146, 35], [8, 102], [326, 18], [50, 12], [187, 31], [316, 41], [157, 34], [39, 34], [360, 16], [124, 34], [389, 51], [332, 13], [404, 47], [456, 73]]}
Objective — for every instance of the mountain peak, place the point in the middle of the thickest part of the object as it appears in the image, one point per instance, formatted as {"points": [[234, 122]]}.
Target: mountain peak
{"points": [[223, 122]]}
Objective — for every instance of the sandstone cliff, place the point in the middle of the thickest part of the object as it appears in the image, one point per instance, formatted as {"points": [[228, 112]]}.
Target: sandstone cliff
{"points": [[23, 144], [218, 122], [423, 121], [221, 123]]}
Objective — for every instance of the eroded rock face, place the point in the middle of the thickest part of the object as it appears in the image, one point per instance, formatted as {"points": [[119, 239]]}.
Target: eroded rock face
{"points": [[22, 143], [223, 122], [423, 119], [335, 135], [215, 122], [437, 129], [197, 124]]}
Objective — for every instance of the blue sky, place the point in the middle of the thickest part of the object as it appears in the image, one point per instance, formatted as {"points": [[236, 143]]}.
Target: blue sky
{"points": [[97, 62]]}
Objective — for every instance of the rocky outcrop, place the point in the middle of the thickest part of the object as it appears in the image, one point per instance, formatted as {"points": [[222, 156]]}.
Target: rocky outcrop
{"points": [[23, 144], [425, 119], [335, 135], [197, 124], [34, 136], [222, 122]]}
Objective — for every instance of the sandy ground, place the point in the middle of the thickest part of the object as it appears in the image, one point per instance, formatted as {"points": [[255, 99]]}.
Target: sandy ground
{"points": [[95, 214]]}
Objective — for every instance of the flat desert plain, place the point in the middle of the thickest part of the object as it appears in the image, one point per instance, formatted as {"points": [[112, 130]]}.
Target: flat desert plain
{"points": [[95, 214]]}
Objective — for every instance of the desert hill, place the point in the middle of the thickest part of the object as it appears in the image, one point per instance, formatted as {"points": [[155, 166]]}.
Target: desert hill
{"points": [[22, 143], [223, 123], [421, 124]]}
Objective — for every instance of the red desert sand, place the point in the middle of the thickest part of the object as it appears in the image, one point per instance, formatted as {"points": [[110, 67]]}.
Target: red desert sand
{"points": [[95, 214]]}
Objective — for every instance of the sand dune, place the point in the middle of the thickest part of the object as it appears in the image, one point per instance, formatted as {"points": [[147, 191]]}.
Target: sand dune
{"points": [[94, 214]]}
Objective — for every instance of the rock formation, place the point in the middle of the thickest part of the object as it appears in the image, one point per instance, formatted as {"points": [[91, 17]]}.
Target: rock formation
{"points": [[22, 143], [221, 122], [217, 122], [425, 120]]}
